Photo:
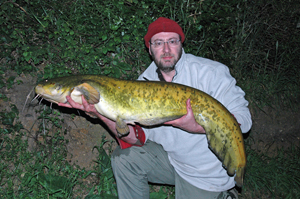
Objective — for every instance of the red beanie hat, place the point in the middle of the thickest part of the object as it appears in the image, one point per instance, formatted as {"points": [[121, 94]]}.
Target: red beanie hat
{"points": [[163, 25]]}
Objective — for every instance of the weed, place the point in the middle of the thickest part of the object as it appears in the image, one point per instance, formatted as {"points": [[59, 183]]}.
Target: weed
{"points": [[106, 187], [273, 177]]}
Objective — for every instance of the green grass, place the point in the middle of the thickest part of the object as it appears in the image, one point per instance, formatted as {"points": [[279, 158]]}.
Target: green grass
{"points": [[265, 60], [273, 177]]}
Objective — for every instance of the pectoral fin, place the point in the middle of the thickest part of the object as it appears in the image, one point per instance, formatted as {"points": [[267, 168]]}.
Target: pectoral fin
{"points": [[122, 127], [89, 92]]}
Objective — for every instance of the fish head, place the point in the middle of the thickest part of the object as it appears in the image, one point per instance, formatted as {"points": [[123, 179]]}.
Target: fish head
{"points": [[53, 91]]}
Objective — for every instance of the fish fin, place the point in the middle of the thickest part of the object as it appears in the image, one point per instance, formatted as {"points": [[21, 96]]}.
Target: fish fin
{"points": [[156, 121], [122, 127], [89, 92], [239, 178]]}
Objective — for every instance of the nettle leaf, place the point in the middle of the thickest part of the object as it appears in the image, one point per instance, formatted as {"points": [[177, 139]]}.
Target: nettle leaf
{"points": [[117, 40], [104, 50], [104, 37]]}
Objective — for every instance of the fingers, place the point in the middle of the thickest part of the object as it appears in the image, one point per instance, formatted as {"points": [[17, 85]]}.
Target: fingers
{"points": [[171, 122], [189, 113], [187, 122], [71, 104], [189, 109], [89, 109], [176, 121], [68, 105], [71, 101], [65, 105], [84, 102], [188, 103], [86, 106], [188, 106]]}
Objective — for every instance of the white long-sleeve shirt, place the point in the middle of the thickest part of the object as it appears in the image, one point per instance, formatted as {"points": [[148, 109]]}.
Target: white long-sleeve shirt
{"points": [[189, 153]]}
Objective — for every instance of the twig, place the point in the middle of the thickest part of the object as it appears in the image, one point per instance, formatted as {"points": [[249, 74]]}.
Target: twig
{"points": [[16, 5]]}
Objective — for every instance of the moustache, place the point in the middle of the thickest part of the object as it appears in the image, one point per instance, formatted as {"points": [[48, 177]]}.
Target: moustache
{"points": [[166, 55]]}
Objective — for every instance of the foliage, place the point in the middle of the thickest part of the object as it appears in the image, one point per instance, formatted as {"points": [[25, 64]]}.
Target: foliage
{"points": [[106, 187], [273, 177], [163, 192], [257, 40], [74, 37], [44, 170], [38, 173], [267, 46], [105, 37]]}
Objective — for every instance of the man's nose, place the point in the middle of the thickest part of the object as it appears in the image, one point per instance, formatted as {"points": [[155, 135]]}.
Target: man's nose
{"points": [[166, 47]]}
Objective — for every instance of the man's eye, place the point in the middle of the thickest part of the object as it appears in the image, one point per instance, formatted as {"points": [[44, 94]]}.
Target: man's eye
{"points": [[173, 41], [159, 43]]}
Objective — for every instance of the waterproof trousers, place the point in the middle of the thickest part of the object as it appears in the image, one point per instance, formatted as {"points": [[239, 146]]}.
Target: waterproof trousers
{"points": [[134, 167]]}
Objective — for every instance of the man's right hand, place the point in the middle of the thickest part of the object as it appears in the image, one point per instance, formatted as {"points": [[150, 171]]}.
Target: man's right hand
{"points": [[90, 110]]}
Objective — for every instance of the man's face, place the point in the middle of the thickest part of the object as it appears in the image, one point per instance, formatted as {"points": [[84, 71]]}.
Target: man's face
{"points": [[165, 56]]}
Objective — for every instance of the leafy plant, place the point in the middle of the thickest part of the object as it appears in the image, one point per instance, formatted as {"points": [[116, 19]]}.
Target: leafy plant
{"points": [[276, 177], [107, 185], [39, 173]]}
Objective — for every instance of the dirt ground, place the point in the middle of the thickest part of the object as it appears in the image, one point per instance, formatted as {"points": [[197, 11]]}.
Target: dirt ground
{"points": [[271, 128]]}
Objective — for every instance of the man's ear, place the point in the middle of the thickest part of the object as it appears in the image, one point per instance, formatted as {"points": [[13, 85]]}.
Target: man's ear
{"points": [[149, 49]]}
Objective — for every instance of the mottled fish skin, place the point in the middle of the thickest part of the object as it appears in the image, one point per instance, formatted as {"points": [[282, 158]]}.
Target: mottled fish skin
{"points": [[152, 103]]}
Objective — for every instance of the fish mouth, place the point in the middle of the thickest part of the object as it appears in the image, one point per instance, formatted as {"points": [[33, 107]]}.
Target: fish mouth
{"points": [[44, 97], [50, 98], [47, 94]]}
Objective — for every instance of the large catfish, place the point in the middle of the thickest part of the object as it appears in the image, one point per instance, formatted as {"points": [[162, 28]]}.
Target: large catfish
{"points": [[153, 103]]}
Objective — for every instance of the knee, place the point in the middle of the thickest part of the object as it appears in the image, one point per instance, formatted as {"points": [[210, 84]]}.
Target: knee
{"points": [[116, 159], [130, 178], [121, 159], [130, 160]]}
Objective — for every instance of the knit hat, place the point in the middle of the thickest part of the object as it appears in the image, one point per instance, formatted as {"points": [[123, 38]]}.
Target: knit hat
{"points": [[163, 25]]}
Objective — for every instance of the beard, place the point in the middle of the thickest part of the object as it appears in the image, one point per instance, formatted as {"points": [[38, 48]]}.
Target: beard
{"points": [[169, 66]]}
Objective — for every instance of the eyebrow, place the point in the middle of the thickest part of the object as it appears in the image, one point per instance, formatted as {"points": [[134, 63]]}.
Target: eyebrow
{"points": [[167, 39]]}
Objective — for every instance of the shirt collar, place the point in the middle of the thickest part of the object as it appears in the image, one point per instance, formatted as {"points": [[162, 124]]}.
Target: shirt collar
{"points": [[179, 64]]}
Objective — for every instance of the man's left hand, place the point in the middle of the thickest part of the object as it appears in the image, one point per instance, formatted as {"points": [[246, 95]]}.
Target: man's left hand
{"points": [[187, 122]]}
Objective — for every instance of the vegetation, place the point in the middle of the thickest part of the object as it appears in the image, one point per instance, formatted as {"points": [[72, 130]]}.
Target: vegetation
{"points": [[258, 40], [273, 176]]}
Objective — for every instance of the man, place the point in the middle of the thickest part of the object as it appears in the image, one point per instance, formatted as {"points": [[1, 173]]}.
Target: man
{"points": [[177, 156]]}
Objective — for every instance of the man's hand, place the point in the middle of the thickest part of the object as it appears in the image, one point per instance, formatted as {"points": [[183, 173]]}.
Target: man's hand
{"points": [[187, 122], [89, 109]]}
